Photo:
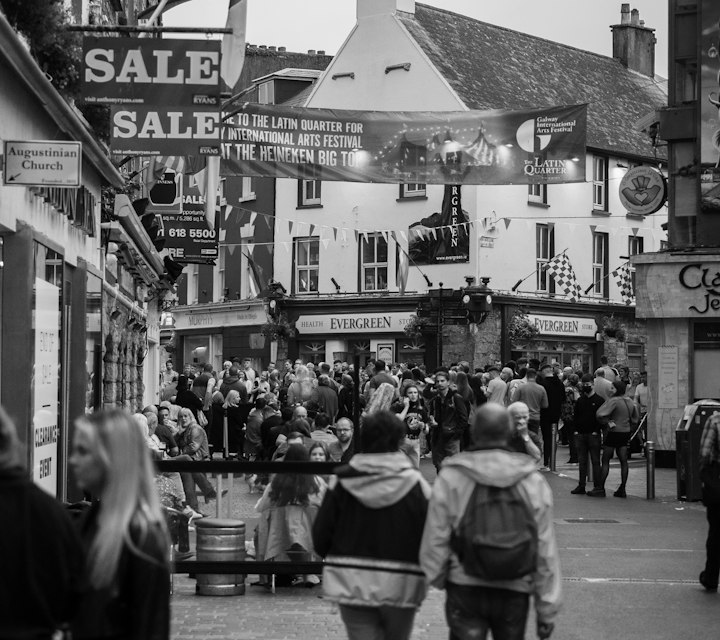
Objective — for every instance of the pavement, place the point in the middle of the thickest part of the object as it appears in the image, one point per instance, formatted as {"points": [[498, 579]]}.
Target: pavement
{"points": [[630, 571]]}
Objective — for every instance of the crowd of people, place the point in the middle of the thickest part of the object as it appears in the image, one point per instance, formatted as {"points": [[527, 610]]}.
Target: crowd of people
{"points": [[487, 428]]}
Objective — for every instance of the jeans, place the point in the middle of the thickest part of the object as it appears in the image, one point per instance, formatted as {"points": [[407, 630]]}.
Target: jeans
{"points": [[547, 436], [588, 443], [442, 448], [189, 480], [712, 546], [377, 623], [473, 611]]}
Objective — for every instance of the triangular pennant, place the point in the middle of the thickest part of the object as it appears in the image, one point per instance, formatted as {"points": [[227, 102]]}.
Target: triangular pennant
{"points": [[635, 230], [227, 212], [593, 227], [290, 226], [253, 217], [507, 222], [403, 235], [357, 235], [325, 242], [312, 230], [231, 248], [335, 230], [386, 236], [222, 235], [393, 235], [344, 235], [287, 246], [433, 233]]}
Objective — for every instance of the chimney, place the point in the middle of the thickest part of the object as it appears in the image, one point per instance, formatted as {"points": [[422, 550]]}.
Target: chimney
{"points": [[367, 8], [282, 49], [633, 42], [311, 52]]}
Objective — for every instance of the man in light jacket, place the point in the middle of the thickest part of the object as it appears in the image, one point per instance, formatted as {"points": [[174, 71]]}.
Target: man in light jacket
{"points": [[476, 605]]}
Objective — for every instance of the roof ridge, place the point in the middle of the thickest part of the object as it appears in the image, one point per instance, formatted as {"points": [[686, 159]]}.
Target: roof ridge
{"points": [[500, 27]]}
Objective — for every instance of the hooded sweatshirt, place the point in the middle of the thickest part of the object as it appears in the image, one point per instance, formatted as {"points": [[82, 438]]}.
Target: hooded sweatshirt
{"points": [[368, 530], [451, 493]]}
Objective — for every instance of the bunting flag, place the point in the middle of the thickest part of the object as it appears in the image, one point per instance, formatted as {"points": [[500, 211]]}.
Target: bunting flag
{"points": [[233, 44], [562, 272], [623, 277], [335, 231], [403, 265], [255, 273]]}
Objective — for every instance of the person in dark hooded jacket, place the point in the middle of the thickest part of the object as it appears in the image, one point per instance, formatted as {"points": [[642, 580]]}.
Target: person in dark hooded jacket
{"points": [[375, 577]]}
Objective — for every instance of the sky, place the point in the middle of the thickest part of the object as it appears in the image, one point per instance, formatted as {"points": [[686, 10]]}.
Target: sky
{"points": [[300, 25]]}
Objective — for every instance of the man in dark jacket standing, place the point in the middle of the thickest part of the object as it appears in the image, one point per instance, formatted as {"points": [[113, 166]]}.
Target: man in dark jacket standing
{"points": [[449, 412], [551, 415], [232, 381], [587, 436]]}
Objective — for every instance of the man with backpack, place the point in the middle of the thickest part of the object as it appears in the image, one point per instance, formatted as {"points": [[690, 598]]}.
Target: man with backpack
{"points": [[489, 539]]}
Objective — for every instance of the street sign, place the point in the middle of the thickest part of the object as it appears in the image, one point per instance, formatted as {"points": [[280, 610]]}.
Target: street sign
{"points": [[38, 163]]}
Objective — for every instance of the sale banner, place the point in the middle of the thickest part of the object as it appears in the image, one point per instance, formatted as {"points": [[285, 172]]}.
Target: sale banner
{"points": [[468, 147], [153, 131], [178, 72]]}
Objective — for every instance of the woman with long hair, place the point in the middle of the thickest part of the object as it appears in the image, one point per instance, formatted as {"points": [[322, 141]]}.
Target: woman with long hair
{"points": [[346, 397], [301, 390], [415, 414], [287, 510], [124, 532]]}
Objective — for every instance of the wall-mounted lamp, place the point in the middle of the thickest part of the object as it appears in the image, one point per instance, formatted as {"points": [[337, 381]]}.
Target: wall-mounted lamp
{"points": [[427, 280], [335, 284], [347, 74]]}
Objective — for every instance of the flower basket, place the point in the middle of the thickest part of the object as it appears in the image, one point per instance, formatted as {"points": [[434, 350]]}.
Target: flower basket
{"points": [[277, 328], [613, 328], [520, 329], [417, 327]]}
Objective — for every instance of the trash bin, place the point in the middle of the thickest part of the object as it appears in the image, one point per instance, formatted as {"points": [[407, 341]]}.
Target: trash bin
{"points": [[219, 539], [687, 448]]}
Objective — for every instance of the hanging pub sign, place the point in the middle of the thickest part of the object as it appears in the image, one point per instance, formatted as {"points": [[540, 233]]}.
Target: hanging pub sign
{"points": [[643, 190], [442, 237], [151, 71], [188, 237], [152, 131], [468, 147]]}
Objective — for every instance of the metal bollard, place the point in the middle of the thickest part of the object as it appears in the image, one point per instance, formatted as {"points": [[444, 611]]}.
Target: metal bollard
{"points": [[553, 447], [650, 469]]}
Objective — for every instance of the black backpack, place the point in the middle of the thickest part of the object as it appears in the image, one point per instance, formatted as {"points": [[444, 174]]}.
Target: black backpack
{"points": [[496, 538]]}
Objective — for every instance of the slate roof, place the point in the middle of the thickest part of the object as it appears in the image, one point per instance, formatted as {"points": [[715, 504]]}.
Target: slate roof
{"points": [[492, 67]]}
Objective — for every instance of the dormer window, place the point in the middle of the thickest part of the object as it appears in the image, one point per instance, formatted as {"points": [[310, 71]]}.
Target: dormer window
{"points": [[266, 92]]}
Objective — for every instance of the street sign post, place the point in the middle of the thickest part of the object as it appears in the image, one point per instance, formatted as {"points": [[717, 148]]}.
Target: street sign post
{"points": [[42, 163]]}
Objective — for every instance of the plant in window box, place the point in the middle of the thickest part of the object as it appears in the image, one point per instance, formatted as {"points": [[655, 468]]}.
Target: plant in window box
{"points": [[418, 327], [277, 328], [520, 329], [613, 328]]}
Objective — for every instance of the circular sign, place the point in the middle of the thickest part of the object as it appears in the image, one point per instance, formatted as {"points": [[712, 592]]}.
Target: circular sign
{"points": [[643, 190]]}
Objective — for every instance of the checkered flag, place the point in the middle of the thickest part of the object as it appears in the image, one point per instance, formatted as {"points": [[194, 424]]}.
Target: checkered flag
{"points": [[562, 272], [623, 277]]}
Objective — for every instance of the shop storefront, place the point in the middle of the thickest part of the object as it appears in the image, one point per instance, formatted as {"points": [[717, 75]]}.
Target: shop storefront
{"points": [[218, 332], [570, 341], [679, 297], [325, 337]]}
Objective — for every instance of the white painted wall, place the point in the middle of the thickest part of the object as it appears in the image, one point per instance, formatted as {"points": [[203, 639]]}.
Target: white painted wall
{"points": [[372, 207]]}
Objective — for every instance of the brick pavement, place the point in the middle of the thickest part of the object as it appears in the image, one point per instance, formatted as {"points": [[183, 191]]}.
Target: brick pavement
{"points": [[300, 613]]}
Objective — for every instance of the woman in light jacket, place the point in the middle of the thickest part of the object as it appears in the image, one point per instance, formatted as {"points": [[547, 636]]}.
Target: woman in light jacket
{"points": [[369, 529]]}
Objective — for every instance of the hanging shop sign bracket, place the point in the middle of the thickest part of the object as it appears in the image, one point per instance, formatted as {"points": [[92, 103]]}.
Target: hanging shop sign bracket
{"points": [[42, 163]]}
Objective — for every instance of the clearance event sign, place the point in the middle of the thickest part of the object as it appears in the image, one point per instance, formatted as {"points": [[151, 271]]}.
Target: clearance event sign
{"points": [[469, 147]]}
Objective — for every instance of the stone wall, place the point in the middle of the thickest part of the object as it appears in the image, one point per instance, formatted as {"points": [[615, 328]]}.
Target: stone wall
{"points": [[478, 344]]}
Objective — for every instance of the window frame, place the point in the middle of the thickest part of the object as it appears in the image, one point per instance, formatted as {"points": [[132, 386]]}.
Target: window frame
{"points": [[600, 184], [248, 189], [305, 202], [601, 267], [541, 261], [539, 198], [376, 265], [309, 267]]}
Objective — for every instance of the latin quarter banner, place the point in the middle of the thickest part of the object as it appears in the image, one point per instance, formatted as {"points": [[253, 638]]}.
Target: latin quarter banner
{"points": [[464, 147]]}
